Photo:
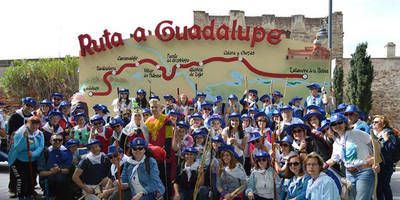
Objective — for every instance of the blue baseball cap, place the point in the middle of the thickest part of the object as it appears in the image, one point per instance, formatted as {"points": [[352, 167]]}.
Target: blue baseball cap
{"points": [[191, 150], [284, 108], [196, 116], [97, 118], [29, 101], [92, 142], [218, 138], [262, 154], [228, 148], [141, 91], [46, 102], [116, 121], [201, 94], [112, 149], [182, 124], [65, 104], [217, 99], [57, 94], [290, 128], [314, 86], [71, 142], [200, 132], [123, 91], [337, 118], [287, 139], [254, 91], [311, 114], [277, 93], [233, 96], [54, 113], [138, 142], [351, 109], [215, 117]]}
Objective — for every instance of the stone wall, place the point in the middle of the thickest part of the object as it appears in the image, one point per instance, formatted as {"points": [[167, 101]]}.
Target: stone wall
{"points": [[385, 87], [299, 27]]}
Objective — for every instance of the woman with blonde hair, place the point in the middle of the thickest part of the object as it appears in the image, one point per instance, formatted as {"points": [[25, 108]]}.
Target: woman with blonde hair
{"points": [[389, 145]]}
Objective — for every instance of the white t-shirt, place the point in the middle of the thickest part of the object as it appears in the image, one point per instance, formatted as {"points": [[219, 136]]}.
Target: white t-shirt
{"points": [[354, 148]]}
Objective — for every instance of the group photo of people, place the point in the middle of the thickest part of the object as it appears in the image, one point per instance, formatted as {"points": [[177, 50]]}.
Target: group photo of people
{"points": [[249, 146]]}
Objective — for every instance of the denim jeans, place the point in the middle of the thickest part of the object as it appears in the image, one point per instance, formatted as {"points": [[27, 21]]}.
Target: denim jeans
{"points": [[362, 184]]}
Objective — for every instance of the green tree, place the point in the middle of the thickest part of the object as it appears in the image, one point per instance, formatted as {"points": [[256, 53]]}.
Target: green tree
{"points": [[338, 84], [360, 79], [40, 78]]}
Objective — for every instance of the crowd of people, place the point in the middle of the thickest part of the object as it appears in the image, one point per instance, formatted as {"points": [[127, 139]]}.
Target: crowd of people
{"points": [[255, 148]]}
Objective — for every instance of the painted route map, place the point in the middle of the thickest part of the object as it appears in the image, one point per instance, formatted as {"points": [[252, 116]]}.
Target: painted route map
{"points": [[215, 67]]}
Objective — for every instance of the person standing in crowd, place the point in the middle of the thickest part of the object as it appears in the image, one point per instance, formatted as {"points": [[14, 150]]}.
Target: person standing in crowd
{"points": [[249, 100], [117, 157], [234, 135], [184, 104], [141, 100], [65, 121], [295, 183], [53, 165], [136, 127], [215, 123], [187, 176], [22, 158], [266, 105], [353, 147], [43, 111], [119, 134], [262, 123], [260, 185], [160, 134], [320, 186], [232, 105], [219, 106], [231, 179], [200, 98], [102, 110], [298, 109], [122, 102], [196, 121], [206, 112], [174, 116], [389, 145], [93, 172], [15, 121], [353, 116], [140, 172], [315, 98], [287, 120], [56, 98], [52, 127], [99, 132], [81, 131], [181, 139], [284, 153], [146, 114], [169, 104], [277, 99]]}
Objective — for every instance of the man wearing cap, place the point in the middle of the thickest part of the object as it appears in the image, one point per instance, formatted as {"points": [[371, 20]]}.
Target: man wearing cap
{"points": [[53, 166], [23, 161], [276, 99], [160, 132], [93, 172], [315, 98], [15, 121], [352, 114]]}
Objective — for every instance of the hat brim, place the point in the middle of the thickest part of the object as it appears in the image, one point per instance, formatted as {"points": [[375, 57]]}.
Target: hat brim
{"points": [[290, 128], [309, 115]]}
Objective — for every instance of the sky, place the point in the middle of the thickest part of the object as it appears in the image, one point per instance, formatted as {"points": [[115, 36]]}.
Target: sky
{"points": [[50, 28]]}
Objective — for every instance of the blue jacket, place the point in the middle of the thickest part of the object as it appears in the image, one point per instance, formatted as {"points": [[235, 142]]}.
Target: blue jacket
{"points": [[290, 189], [150, 181], [19, 148]]}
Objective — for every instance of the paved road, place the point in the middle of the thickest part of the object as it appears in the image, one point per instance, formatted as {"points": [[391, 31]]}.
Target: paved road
{"points": [[4, 182]]}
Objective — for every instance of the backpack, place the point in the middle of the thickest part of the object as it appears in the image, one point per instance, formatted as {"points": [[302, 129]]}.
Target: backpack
{"points": [[396, 153]]}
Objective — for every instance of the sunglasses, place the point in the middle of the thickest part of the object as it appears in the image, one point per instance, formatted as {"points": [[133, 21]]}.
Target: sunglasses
{"points": [[137, 148], [57, 140], [295, 164], [336, 123], [297, 130], [262, 160], [284, 145]]}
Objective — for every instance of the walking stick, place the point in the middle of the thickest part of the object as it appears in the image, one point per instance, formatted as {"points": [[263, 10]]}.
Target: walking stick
{"points": [[118, 170], [273, 163], [28, 146], [377, 158]]}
